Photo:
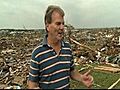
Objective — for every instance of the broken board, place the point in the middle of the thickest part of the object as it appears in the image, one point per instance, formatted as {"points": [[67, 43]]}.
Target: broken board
{"points": [[106, 68]]}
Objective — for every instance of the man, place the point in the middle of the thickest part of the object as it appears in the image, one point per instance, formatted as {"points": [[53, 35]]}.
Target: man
{"points": [[52, 63]]}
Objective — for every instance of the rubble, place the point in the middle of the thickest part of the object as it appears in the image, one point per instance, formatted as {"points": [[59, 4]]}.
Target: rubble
{"points": [[93, 45], [15, 55], [96, 44]]}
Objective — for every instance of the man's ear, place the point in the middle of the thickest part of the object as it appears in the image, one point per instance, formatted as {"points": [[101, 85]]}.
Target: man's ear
{"points": [[47, 26]]}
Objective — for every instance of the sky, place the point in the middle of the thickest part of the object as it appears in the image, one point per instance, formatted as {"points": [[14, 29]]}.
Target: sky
{"points": [[17, 14]]}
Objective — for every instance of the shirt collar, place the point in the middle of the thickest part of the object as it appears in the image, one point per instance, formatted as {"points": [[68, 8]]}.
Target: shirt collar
{"points": [[44, 43], [45, 40]]}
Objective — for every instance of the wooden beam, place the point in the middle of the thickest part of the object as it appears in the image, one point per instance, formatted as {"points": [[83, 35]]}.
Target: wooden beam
{"points": [[106, 68], [86, 47], [114, 84]]}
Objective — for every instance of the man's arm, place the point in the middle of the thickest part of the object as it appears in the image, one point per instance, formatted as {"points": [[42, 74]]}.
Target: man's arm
{"points": [[33, 79], [33, 85], [75, 75]]}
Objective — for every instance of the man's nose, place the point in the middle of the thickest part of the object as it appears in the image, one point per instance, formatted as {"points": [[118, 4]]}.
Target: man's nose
{"points": [[62, 26]]}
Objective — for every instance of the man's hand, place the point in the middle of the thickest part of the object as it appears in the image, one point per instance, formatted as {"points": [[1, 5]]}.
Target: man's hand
{"points": [[87, 79], [33, 85]]}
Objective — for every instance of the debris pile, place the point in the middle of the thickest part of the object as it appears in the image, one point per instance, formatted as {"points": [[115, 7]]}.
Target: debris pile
{"points": [[96, 45], [15, 55]]}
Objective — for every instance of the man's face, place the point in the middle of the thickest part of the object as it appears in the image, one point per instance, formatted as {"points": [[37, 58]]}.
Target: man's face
{"points": [[56, 27]]}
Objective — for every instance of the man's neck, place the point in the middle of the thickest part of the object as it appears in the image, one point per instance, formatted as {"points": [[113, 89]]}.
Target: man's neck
{"points": [[55, 44], [52, 41]]}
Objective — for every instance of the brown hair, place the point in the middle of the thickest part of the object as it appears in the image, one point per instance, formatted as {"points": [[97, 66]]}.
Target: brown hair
{"points": [[49, 11]]}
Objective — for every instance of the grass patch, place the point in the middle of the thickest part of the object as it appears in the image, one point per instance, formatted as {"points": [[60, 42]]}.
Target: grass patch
{"points": [[103, 78]]}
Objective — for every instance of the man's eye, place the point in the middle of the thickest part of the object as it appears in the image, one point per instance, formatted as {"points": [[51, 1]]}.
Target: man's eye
{"points": [[59, 23]]}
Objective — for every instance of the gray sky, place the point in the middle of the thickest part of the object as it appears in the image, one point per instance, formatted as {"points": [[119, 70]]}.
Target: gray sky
{"points": [[79, 13]]}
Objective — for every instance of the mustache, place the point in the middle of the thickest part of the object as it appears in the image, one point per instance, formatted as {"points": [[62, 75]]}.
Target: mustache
{"points": [[60, 32]]}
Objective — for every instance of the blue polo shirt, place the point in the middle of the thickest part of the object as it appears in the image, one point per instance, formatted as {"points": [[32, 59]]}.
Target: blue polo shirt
{"points": [[49, 69]]}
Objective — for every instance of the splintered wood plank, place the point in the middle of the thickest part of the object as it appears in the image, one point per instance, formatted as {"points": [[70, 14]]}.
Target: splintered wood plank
{"points": [[106, 68]]}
